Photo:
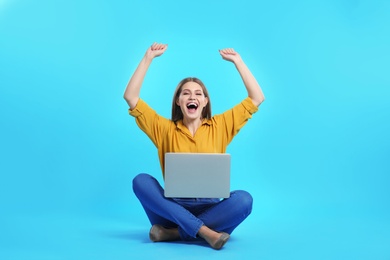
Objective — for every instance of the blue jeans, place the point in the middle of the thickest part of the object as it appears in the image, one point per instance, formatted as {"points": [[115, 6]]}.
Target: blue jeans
{"points": [[190, 214]]}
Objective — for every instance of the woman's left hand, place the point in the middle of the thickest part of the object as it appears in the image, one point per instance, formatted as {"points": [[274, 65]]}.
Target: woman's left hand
{"points": [[230, 54]]}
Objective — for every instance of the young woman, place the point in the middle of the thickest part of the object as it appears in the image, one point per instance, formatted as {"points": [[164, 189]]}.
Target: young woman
{"points": [[191, 129]]}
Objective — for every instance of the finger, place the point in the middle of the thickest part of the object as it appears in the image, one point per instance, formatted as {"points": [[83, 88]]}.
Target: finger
{"points": [[153, 47], [228, 51], [161, 46], [156, 46], [223, 51]]}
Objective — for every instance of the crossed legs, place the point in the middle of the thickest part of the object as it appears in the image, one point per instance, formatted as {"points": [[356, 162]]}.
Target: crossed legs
{"points": [[173, 221]]}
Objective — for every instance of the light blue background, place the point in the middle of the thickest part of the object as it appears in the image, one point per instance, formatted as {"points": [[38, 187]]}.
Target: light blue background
{"points": [[315, 157]]}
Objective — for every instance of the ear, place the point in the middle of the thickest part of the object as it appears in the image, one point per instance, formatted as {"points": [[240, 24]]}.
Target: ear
{"points": [[177, 102]]}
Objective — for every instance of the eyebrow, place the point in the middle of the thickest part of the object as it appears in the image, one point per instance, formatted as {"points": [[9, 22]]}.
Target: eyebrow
{"points": [[197, 90]]}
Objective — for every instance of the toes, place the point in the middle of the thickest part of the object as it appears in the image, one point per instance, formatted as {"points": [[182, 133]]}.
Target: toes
{"points": [[155, 233], [221, 241]]}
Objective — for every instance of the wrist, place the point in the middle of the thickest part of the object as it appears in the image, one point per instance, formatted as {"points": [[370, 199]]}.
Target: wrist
{"points": [[238, 62], [148, 58]]}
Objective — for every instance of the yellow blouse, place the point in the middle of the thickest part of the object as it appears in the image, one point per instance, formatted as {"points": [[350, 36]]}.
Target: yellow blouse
{"points": [[212, 136]]}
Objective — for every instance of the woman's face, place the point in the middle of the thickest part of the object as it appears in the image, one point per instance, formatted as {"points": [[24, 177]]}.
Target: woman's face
{"points": [[191, 101]]}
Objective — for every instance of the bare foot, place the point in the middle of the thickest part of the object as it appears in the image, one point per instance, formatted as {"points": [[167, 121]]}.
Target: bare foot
{"points": [[159, 233], [216, 240]]}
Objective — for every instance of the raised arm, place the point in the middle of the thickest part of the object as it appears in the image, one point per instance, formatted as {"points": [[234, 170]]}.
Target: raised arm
{"points": [[133, 88], [251, 85]]}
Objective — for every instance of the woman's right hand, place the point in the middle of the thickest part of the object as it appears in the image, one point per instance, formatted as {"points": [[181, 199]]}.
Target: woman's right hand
{"points": [[133, 88], [156, 50]]}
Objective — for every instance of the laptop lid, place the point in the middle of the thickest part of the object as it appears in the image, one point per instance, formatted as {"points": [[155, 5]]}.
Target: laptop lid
{"points": [[197, 175]]}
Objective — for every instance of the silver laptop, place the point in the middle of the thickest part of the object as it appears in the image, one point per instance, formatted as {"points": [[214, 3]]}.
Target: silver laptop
{"points": [[197, 175]]}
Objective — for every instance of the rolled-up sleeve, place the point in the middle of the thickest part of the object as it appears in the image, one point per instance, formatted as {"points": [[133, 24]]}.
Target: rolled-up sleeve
{"points": [[138, 110], [235, 118], [152, 124], [249, 106]]}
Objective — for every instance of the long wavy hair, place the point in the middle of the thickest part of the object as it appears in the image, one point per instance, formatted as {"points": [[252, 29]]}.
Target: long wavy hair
{"points": [[176, 110]]}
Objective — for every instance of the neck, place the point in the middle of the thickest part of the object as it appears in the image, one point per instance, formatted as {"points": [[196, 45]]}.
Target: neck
{"points": [[192, 125]]}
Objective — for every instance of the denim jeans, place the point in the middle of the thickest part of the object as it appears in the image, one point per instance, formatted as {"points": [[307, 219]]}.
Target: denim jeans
{"points": [[189, 214]]}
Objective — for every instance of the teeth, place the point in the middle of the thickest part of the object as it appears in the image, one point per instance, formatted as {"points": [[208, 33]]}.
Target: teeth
{"points": [[192, 104]]}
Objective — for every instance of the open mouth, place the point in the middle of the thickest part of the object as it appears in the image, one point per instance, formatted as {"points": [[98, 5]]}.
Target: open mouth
{"points": [[192, 107]]}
